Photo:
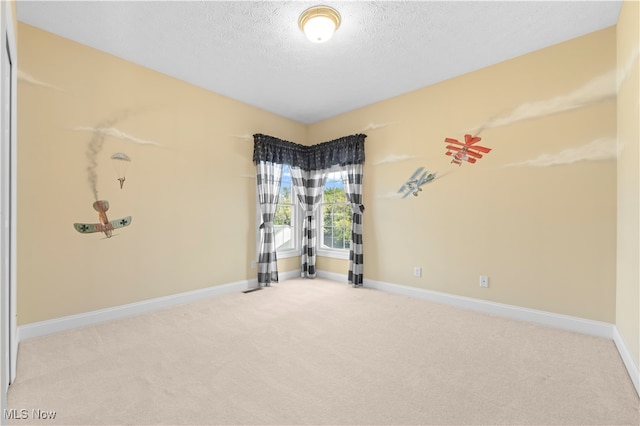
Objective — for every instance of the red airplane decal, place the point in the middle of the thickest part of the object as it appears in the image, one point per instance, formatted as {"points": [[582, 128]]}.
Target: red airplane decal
{"points": [[466, 151]]}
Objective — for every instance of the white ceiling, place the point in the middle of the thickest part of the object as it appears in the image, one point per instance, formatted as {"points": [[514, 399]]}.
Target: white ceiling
{"points": [[253, 51]]}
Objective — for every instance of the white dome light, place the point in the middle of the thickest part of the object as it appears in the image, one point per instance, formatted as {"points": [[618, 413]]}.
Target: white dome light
{"points": [[319, 23]]}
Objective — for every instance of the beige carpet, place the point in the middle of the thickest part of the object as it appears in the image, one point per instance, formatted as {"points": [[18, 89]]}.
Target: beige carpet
{"points": [[320, 352]]}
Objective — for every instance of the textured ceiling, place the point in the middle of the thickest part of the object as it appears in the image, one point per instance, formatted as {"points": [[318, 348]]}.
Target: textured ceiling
{"points": [[253, 51]]}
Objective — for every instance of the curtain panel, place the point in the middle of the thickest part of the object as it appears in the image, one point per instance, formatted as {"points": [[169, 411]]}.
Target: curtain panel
{"points": [[269, 176], [308, 168], [308, 186], [352, 178]]}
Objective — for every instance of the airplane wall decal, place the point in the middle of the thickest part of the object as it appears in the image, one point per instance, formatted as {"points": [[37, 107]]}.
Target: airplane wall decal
{"points": [[101, 206], [466, 151], [414, 183]]}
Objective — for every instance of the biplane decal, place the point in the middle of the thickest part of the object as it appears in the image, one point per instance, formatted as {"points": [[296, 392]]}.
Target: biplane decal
{"points": [[105, 226], [414, 183], [466, 151]]}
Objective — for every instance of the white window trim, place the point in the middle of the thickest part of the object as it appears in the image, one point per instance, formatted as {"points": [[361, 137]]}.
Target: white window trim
{"points": [[334, 253], [296, 219], [325, 251], [296, 224]]}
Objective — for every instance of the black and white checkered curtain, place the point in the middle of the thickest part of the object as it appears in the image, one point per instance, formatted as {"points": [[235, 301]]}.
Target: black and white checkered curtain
{"points": [[269, 176], [313, 161], [308, 186], [352, 178]]}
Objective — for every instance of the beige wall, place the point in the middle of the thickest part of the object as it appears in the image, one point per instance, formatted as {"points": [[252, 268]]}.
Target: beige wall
{"points": [[191, 196], [545, 235], [628, 277]]}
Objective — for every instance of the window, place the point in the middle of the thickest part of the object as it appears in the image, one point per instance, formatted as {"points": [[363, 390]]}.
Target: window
{"points": [[286, 221], [334, 219]]}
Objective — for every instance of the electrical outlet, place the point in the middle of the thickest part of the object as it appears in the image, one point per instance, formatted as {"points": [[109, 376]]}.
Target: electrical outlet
{"points": [[417, 271], [253, 264], [484, 281]]}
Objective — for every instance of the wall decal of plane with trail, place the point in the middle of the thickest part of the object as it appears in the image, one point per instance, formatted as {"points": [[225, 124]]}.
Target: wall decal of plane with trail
{"points": [[414, 183], [466, 151], [101, 206]]}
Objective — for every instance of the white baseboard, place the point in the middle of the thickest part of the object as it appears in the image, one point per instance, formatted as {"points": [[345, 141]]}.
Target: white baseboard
{"points": [[580, 325], [56, 325], [289, 275], [341, 278], [627, 359], [565, 322]]}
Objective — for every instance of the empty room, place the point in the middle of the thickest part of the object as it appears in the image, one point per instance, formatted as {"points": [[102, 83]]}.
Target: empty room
{"points": [[217, 213]]}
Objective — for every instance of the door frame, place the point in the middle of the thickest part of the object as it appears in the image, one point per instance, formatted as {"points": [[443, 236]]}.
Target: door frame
{"points": [[8, 316]]}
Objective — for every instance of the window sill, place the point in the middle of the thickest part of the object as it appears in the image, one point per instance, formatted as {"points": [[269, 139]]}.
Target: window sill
{"points": [[336, 254], [287, 253]]}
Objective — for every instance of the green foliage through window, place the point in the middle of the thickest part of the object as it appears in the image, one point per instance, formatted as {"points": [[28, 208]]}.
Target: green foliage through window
{"points": [[336, 216], [284, 212]]}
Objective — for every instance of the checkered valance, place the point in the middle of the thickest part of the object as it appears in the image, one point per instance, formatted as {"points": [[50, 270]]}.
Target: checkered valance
{"points": [[322, 156]]}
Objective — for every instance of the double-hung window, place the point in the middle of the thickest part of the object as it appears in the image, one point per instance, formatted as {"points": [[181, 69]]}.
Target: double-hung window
{"points": [[287, 221], [334, 219]]}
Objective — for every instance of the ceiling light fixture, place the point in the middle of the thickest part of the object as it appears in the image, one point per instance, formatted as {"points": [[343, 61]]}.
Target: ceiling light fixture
{"points": [[319, 23]]}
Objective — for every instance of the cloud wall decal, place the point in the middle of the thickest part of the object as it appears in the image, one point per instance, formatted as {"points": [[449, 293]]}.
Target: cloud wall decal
{"points": [[392, 158], [599, 149], [597, 90], [115, 133], [28, 78]]}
